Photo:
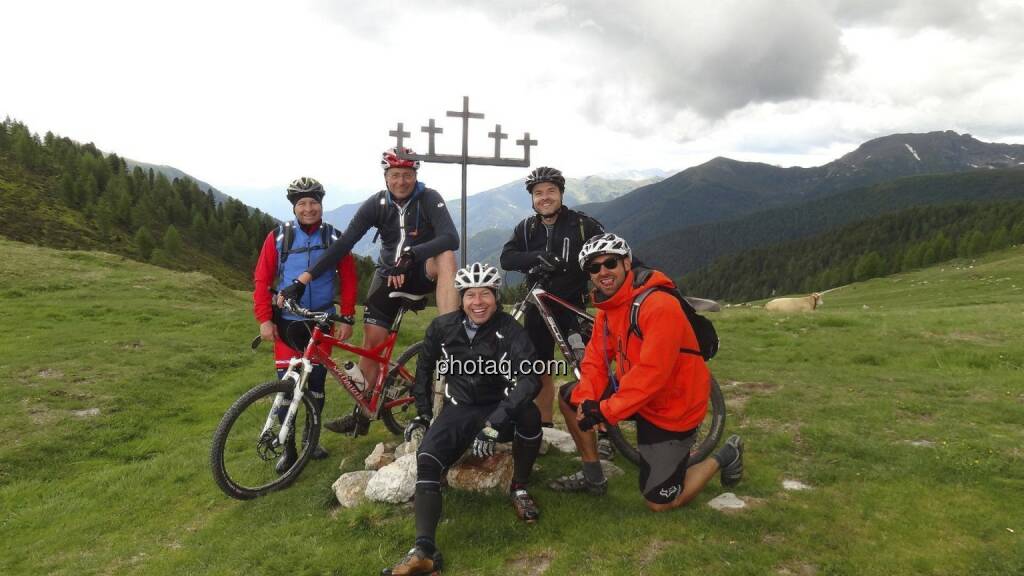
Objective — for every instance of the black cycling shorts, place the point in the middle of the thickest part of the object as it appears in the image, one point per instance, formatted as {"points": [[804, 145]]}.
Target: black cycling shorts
{"points": [[453, 431], [380, 309], [664, 455], [537, 330]]}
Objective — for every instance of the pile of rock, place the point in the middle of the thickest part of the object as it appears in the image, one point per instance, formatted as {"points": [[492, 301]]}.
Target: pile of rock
{"points": [[390, 471]]}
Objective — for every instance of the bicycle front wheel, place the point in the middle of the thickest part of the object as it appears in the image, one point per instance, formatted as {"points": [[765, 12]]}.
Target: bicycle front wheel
{"points": [[708, 433], [398, 387], [244, 458]]}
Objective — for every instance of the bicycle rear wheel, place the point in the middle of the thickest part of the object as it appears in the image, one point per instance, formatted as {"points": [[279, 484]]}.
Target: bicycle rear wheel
{"points": [[398, 387], [243, 458], [708, 434]]}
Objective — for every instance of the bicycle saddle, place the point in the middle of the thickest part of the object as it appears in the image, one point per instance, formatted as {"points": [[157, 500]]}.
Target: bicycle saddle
{"points": [[414, 302]]}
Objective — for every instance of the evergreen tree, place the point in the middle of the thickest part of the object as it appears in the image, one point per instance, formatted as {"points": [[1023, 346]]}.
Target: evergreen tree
{"points": [[144, 243], [172, 242], [869, 265]]}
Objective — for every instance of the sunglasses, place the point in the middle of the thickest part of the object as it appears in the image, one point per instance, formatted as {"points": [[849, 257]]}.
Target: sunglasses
{"points": [[594, 268]]}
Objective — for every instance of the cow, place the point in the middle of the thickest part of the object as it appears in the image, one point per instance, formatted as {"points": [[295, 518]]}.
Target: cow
{"points": [[801, 304]]}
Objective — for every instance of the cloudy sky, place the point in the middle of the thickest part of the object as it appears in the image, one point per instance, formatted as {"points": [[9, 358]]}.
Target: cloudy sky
{"points": [[250, 94]]}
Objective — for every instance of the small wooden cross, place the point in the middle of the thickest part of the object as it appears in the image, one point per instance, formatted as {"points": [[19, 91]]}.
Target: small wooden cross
{"points": [[431, 130], [401, 134], [526, 143], [498, 137]]}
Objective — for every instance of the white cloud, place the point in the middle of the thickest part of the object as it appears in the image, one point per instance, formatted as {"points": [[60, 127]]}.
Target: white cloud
{"points": [[248, 95]]}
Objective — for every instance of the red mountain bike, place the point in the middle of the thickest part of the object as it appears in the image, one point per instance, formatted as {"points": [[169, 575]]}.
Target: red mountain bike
{"points": [[253, 432], [572, 347]]}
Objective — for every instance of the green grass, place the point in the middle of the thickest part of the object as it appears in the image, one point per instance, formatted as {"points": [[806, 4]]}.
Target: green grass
{"points": [[832, 398]]}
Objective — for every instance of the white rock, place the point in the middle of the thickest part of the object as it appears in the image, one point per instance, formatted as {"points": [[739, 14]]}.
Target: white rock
{"points": [[350, 488], [406, 448], [379, 458], [560, 440], [395, 482], [923, 443], [794, 485], [87, 413], [727, 501]]}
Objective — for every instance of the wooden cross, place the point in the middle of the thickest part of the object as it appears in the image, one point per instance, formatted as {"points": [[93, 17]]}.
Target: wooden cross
{"points": [[526, 143], [465, 114], [400, 134], [498, 137], [431, 130]]}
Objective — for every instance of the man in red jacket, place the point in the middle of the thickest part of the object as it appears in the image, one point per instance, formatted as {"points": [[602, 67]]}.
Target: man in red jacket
{"points": [[655, 382], [278, 265]]}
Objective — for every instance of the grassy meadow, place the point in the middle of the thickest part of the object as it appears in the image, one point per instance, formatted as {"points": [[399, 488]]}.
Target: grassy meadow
{"points": [[900, 403]]}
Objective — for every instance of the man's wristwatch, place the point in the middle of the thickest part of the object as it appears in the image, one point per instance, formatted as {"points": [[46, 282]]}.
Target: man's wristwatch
{"points": [[350, 319]]}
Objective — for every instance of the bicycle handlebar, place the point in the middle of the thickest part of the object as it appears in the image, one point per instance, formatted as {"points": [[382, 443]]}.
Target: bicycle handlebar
{"points": [[318, 317]]}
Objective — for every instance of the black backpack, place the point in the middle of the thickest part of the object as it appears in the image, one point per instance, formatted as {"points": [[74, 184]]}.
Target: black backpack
{"points": [[707, 337]]}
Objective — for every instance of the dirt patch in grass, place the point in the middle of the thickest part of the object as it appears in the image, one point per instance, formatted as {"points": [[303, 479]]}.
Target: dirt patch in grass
{"points": [[49, 373], [797, 569], [651, 553], [971, 337], [738, 393], [530, 564]]}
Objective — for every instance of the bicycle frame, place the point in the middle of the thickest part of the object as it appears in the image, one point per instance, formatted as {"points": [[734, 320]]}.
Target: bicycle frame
{"points": [[372, 399], [538, 297]]}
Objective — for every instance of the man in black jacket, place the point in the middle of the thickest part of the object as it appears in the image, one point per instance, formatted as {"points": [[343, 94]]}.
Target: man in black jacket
{"points": [[487, 360], [418, 240], [551, 239]]}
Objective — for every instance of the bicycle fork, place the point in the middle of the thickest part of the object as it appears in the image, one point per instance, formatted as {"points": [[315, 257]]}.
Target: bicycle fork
{"points": [[299, 376]]}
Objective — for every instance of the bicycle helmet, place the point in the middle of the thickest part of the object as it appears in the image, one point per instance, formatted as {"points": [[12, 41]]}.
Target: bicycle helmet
{"points": [[604, 244], [390, 159], [545, 174], [305, 187], [477, 275]]}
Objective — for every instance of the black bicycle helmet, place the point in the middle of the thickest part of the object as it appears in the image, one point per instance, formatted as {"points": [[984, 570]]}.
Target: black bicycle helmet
{"points": [[545, 174], [305, 188]]}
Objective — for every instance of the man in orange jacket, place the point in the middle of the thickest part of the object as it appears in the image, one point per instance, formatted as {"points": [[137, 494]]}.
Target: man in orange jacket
{"points": [[656, 382]]}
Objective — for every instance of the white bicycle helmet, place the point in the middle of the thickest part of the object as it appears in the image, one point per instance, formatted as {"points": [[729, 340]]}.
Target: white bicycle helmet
{"points": [[477, 275], [604, 244]]}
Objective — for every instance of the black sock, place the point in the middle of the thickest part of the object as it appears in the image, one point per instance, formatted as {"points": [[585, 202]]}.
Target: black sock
{"points": [[593, 472], [524, 454], [427, 507]]}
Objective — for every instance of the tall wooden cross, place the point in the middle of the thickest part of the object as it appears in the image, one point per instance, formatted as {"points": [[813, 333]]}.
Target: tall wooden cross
{"points": [[464, 159]]}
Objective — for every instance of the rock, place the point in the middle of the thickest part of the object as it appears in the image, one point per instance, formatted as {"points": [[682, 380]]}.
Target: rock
{"points": [[87, 413], [350, 488], [560, 440], [923, 443], [476, 475], [395, 482], [727, 501], [380, 457], [406, 448], [794, 485]]}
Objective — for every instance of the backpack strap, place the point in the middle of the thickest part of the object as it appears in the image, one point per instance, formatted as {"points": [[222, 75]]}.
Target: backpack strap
{"points": [[284, 236], [634, 316], [381, 211]]}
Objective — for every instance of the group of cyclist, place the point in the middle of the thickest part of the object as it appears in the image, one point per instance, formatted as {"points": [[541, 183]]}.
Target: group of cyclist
{"points": [[651, 380]]}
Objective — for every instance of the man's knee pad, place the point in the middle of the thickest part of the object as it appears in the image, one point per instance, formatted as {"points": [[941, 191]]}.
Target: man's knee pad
{"points": [[428, 471], [528, 421]]}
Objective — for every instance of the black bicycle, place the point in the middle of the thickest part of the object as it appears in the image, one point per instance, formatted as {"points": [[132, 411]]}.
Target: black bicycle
{"points": [[572, 346]]}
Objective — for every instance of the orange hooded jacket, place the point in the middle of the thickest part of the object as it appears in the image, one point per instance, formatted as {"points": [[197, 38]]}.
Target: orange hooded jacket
{"points": [[666, 387]]}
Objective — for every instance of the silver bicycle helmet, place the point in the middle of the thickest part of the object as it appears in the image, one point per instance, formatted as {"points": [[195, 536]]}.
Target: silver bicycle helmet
{"points": [[545, 174], [477, 275], [305, 187], [604, 244]]}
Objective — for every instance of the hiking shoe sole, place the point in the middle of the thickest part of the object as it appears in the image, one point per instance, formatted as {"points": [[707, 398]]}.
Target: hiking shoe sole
{"points": [[733, 471]]}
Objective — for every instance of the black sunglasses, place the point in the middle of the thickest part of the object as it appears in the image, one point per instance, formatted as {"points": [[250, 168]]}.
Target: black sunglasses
{"points": [[594, 268]]}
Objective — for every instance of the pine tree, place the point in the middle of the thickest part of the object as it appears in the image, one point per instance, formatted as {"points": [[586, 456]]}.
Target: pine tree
{"points": [[869, 265], [172, 242], [144, 243]]}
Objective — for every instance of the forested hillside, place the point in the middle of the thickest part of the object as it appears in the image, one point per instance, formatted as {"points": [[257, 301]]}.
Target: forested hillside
{"points": [[59, 193], [912, 238], [688, 250]]}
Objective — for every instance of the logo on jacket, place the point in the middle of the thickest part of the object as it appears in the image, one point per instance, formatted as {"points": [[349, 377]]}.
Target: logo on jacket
{"points": [[669, 492]]}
